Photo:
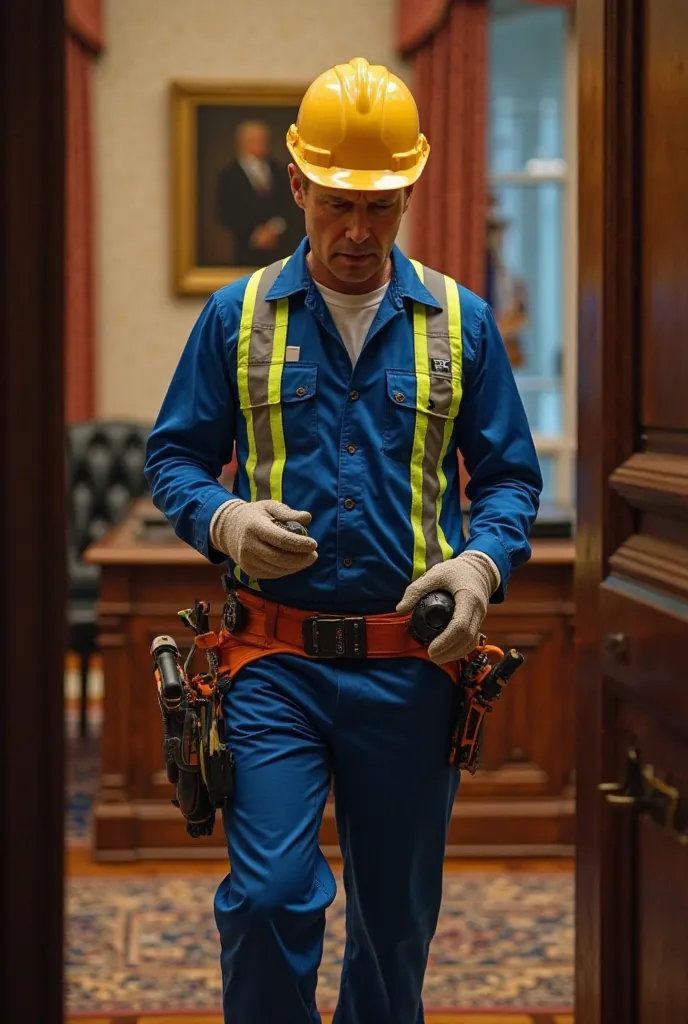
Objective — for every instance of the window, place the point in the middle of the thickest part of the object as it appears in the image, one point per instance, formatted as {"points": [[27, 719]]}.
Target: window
{"points": [[532, 244]]}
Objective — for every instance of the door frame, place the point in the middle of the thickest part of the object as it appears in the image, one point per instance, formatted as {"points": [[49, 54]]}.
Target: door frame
{"points": [[33, 507], [609, 239]]}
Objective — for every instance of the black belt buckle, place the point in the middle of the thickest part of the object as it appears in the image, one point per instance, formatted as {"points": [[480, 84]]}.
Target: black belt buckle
{"points": [[335, 638]]}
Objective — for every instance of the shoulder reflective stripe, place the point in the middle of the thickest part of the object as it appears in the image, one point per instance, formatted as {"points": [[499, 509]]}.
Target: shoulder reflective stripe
{"points": [[436, 333]]}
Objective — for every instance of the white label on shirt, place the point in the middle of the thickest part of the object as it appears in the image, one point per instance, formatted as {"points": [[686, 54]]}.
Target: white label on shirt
{"points": [[292, 354]]}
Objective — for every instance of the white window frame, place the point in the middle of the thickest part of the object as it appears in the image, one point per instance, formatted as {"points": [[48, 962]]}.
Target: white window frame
{"points": [[562, 447]]}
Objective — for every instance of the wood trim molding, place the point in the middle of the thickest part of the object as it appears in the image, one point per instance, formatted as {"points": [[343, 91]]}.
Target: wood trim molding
{"points": [[654, 482], [674, 442], [654, 562]]}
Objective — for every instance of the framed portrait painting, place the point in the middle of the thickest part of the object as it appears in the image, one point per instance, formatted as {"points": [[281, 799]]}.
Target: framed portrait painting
{"points": [[232, 208]]}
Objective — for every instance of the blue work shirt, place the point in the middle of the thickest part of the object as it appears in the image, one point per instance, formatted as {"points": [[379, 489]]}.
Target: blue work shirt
{"points": [[348, 443]]}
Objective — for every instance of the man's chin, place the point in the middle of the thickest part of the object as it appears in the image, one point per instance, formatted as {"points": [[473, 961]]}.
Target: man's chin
{"points": [[354, 270]]}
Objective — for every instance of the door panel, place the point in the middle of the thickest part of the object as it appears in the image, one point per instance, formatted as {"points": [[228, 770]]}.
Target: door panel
{"points": [[665, 217], [632, 580]]}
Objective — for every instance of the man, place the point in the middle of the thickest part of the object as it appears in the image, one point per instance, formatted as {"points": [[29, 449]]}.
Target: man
{"points": [[349, 378], [254, 201]]}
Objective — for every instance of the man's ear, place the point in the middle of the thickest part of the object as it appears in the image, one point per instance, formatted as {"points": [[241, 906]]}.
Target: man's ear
{"points": [[408, 192], [296, 182]]}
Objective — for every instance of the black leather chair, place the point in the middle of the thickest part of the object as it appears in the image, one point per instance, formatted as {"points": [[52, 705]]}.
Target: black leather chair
{"points": [[105, 461]]}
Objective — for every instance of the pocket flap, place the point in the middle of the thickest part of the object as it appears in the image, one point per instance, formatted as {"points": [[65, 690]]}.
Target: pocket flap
{"points": [[430, 393], [299, 382]]}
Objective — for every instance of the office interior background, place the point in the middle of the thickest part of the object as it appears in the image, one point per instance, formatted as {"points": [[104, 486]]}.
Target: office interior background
{"points": [[498, 88], [496, 84]]}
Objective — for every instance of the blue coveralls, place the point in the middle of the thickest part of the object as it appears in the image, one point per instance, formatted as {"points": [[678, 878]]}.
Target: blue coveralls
{"points": [[377, 729]]}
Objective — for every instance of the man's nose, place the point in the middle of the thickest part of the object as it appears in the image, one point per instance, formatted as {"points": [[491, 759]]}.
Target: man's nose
{"points": [[357, 229]]}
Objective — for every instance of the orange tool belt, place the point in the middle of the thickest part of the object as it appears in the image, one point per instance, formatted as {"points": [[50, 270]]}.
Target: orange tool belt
{"points": [[272, 628]]}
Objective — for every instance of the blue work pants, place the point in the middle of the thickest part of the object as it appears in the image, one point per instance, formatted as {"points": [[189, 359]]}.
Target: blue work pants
{"points": [[378, 730]]}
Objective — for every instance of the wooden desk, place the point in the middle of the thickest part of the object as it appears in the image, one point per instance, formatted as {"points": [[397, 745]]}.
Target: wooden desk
{"points": [[520, 802]]}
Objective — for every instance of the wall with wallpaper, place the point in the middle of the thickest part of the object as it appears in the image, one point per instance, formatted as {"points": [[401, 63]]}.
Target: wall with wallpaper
{"points": [[142, 325]]}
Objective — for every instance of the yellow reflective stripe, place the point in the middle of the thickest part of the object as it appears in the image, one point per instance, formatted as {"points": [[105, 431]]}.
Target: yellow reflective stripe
{"points": [[456, 346], [243, 350], [420, 350], [279, 351]]}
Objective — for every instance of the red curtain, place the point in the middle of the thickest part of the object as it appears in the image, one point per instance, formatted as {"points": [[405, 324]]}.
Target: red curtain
{"points": [[447, 40], [83, 42]]}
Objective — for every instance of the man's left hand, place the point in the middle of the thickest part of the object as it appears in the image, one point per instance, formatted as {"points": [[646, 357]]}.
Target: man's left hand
{"points": [[471, 579]]}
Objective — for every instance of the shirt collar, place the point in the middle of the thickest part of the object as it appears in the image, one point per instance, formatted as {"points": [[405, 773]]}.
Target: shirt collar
{"points": [[405, 283]]}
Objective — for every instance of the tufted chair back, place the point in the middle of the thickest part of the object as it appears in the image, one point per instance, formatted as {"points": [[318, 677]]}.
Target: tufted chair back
{"points": [[105, 461]]}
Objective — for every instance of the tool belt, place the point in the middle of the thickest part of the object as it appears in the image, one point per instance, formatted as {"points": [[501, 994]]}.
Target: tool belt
{"points": [[253, 628], [197, 756]]}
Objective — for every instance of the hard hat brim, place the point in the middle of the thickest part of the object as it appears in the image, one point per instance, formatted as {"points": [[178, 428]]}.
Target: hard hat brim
{"points": [[360, 181]]}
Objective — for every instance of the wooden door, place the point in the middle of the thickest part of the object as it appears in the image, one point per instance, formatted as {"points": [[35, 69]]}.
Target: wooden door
{"points": [[632, 546]]}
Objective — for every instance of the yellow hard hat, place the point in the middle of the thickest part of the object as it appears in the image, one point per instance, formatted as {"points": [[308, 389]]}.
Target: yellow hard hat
{"points": [[358, 128]]}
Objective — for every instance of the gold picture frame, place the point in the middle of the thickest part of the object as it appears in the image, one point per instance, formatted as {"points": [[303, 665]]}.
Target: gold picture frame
{"points": [[209, 122]]}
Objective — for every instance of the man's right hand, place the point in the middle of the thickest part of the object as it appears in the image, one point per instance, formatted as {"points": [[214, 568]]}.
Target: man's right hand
{"points": [[249, 533]]}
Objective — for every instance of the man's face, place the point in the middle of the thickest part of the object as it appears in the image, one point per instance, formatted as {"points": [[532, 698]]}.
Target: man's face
{"points": [[351, 234], [254, 140]]}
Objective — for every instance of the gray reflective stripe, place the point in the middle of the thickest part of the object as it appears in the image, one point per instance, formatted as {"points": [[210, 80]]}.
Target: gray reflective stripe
{"points": [[260, 354]]}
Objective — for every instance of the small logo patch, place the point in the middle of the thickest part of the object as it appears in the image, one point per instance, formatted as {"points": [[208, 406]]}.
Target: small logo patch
{"points": [[442, 366]]}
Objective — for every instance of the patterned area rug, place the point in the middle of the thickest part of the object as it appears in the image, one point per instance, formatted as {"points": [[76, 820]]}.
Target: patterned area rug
{"points": [[82, 765], [504, 941]]}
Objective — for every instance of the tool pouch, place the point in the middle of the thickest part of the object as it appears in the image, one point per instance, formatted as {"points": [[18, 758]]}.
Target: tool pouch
{"points": [[183, 765], [467, 732]]}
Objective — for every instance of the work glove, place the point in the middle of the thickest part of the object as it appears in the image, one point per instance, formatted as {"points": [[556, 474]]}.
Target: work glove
{"points": [[471, 579], [249, 533]]}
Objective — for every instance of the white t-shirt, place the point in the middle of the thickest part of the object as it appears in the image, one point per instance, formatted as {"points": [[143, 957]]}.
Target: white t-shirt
{"points": [[353, 315]]}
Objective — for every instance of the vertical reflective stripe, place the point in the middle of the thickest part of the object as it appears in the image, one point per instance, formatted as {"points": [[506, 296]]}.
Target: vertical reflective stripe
{"points": [[456, 348], [260, 362], [438, 396], [259, 375], [418, 452], [260, 359], [243, 350], [279, 349]]}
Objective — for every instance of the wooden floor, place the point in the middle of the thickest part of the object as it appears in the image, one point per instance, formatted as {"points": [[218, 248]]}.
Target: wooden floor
{"points": [[436, 1018], [79, 863]]}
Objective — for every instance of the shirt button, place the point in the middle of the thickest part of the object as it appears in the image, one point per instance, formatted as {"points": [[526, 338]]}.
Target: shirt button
{"points": [[301, 392], [353, 396], [348, 562], [398, 397], [351, 448], [349, 504]]}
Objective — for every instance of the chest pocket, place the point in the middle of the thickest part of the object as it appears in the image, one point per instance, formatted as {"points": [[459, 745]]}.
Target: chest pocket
{"points": [[416, 399], [279, 405]]}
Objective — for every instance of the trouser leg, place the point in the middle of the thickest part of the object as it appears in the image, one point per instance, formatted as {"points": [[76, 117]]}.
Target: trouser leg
{"points": [[270, 909], [394, 792]]}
